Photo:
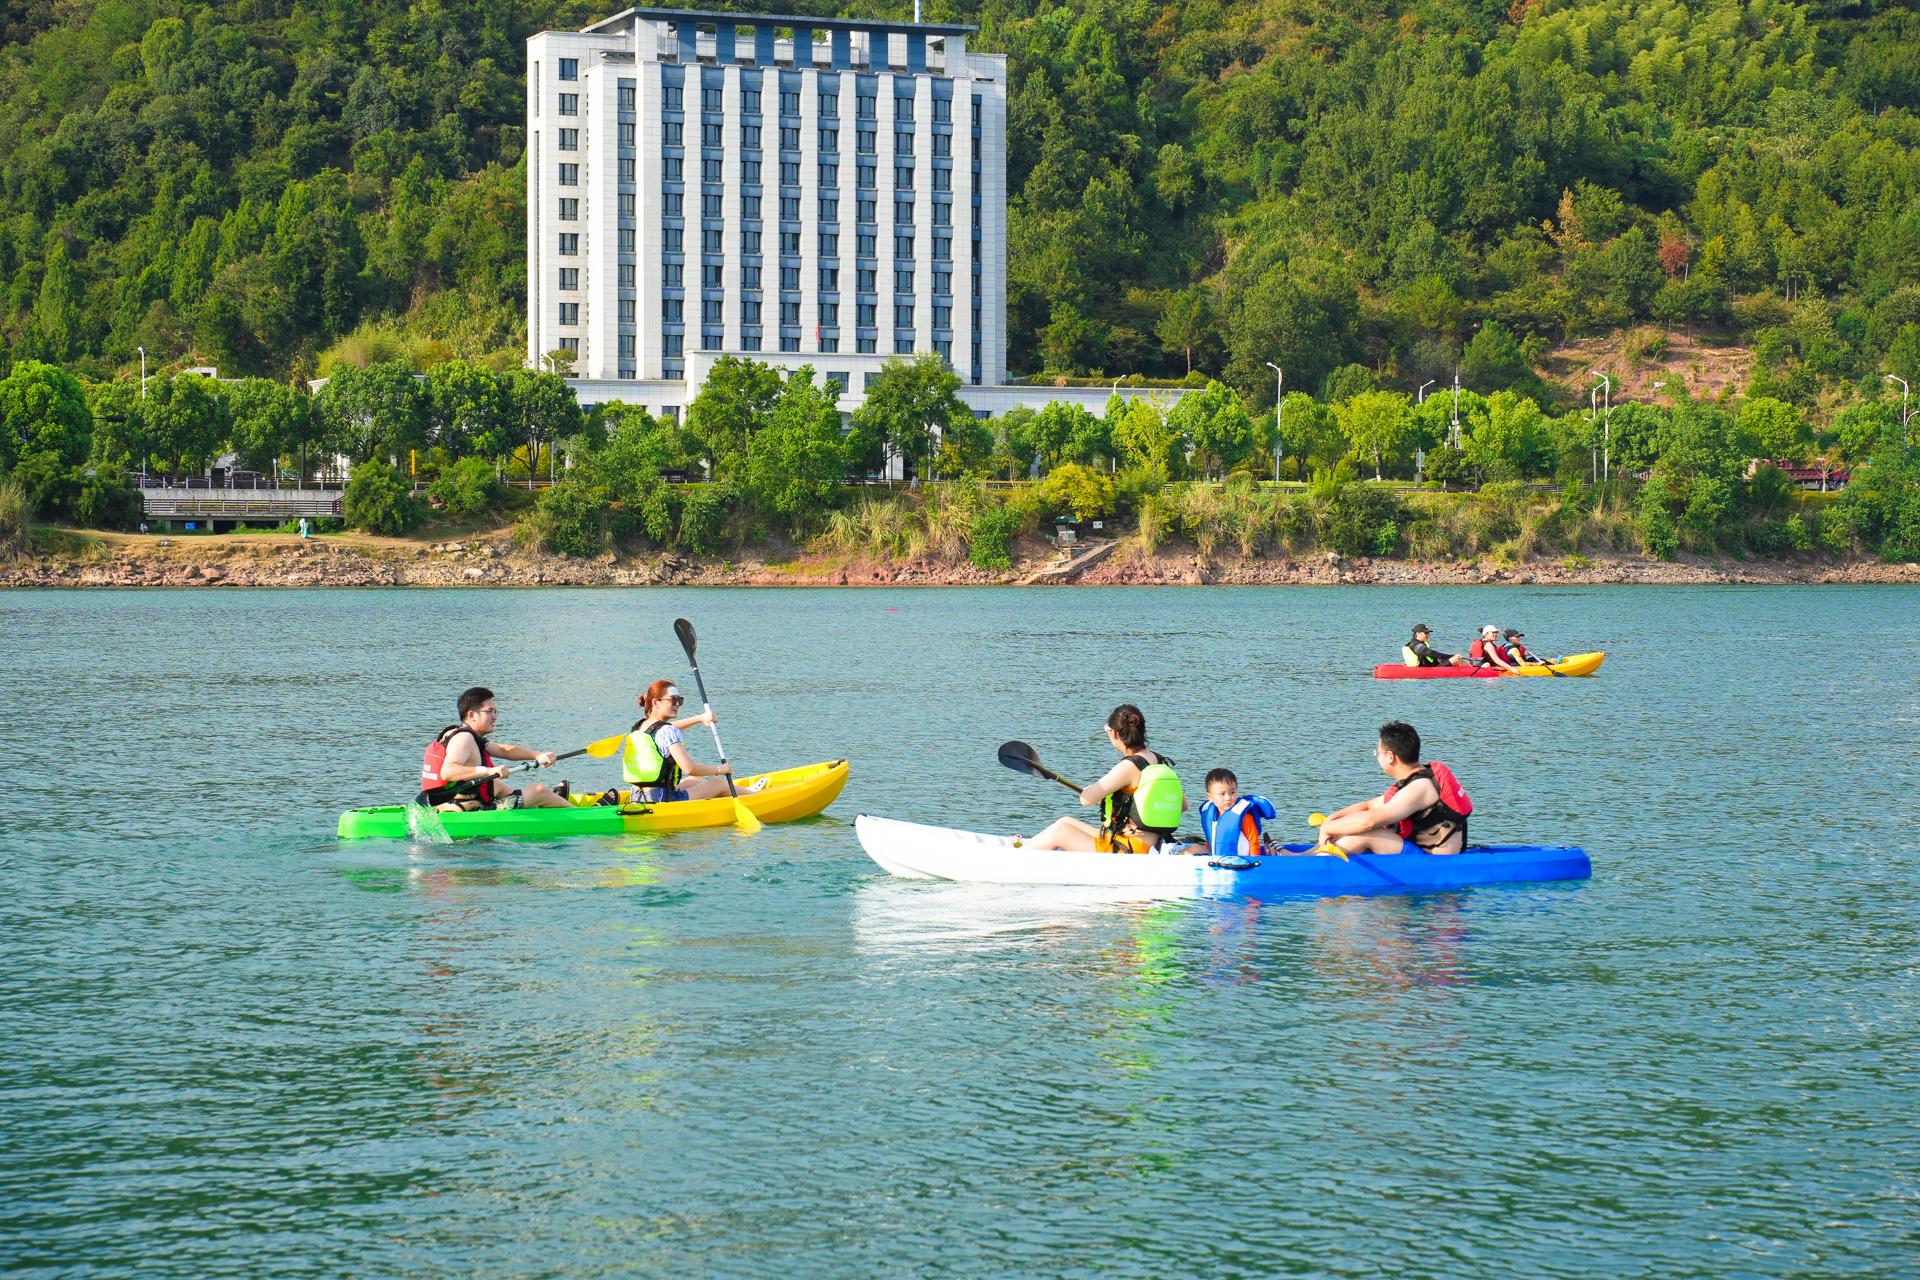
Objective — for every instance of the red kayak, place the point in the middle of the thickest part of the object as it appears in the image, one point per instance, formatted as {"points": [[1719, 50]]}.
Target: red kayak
{"points": [[1398, 671]]}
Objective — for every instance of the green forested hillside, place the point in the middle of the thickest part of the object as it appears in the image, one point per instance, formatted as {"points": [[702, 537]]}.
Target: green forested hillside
{"points": [[1319, 183]]}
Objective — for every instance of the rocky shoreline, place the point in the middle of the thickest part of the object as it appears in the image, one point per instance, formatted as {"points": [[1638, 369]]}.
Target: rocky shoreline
{"points": [[493, 561]]}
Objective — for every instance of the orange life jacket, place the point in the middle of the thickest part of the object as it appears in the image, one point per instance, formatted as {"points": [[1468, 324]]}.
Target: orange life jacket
{"points": [[1445, 816], [435, 789]]}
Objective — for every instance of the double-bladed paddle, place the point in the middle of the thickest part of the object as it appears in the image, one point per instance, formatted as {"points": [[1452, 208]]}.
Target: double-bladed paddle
{"points": [[742, 816], [599, 749]]}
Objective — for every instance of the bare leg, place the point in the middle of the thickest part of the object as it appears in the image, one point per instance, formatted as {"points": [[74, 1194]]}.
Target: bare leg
{"points": [[1065, 833], [1379, 840], [704, 788], [539, 797]]}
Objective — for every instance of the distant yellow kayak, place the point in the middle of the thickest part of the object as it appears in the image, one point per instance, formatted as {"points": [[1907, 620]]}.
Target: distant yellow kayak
{"points": [[1576, 664]]}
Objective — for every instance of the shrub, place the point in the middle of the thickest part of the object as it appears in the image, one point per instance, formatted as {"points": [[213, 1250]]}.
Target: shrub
{"points": [[1079, 491], [703, 514], [571, 518], [989, 542], [1362, 521], [16, 520], [49, 485], [1155, 518], [1446, 466], [379, 501], [467, 488], [107, 501]]}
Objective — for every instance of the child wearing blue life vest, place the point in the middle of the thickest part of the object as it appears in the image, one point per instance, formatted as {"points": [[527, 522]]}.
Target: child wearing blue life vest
{"points": [[1229, 821]]}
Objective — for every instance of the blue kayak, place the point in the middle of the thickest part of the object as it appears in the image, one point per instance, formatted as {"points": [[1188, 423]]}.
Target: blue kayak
{"points": [[942, 853]]}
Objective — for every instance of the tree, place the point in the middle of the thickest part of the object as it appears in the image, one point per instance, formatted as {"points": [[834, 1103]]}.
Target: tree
{"points": [[1186, 321], [1777, 430], [268, 421], [1375, 423], [1493, 360], [795, 465], [466, 410], [543, 408], [43, 410], [734, 405], [1147, 438], [1310, 434], [379, 500], [187, 421], [373, 412], [1509, 439], [1216, 425], [910, 401]]}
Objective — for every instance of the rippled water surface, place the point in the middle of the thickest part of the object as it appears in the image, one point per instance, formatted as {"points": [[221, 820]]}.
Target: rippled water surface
{"points": [[232, 1046]]}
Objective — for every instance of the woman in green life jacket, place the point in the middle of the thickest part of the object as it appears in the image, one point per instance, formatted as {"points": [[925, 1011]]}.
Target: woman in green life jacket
{"points": [[655, 762], [1140, 798]]}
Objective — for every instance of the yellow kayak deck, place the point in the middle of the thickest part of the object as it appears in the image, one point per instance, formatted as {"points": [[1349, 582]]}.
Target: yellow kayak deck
{"points": [[1574, 664], [789, 794]]}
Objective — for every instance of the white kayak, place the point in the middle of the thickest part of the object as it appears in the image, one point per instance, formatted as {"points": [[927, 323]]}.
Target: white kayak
{"points": [[943, 853]]}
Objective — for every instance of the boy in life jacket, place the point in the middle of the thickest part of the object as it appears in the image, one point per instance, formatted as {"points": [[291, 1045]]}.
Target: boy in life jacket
{"points": [[1418, 653], [1487, 651], [1229, 821], [459, 770], [1424, 811]]}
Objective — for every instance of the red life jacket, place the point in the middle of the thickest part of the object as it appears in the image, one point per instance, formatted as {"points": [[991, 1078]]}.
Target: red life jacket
{"points": [[1482, 651], [1445, 816], [435, 789]]}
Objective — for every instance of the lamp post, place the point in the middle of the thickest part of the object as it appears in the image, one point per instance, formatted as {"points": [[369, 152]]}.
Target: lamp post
{"points": [[1420, 396], [1904, 437], [1606, 448], [1453, 437], [143, 417], [1279, 407]]}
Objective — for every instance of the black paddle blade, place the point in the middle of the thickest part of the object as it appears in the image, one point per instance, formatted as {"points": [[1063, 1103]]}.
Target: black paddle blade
{"points": [[1019, 757], [684, 629]]}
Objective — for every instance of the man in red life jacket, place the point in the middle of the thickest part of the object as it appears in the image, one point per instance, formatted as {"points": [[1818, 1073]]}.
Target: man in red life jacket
{"points": [[460, 770], [1424, 811], [1487, 651]]}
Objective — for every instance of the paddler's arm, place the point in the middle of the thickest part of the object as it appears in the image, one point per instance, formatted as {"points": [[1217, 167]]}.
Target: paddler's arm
{"points": [[507, 751], [463, 762], [691, 768], [689, 722], [1121, 776], [1377, 813]]}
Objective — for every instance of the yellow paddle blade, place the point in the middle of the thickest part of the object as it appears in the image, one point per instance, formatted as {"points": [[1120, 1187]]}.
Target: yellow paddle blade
{"points": [[606, 746], [1333, 849], [1315, 819], [743, 817]]}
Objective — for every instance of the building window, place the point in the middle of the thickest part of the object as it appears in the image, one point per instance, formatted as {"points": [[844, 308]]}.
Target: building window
{"points": [[829, 105], [570, 209], [943, 282], [627, 308], [670, 133], [750, 242], [625, 204], [829, 209], [844, 380], [829, 313], [789, 342], [710, 275], [569, 104], [943, 247], [625, 239], [790, 103], [865, 347], [712, 340], [902, 143], [670, 204], [569, 244], [749, 342], [903, 210], [790, 278], [710, 311], [867, 106], [866, 142], [866, 314], [749, 102], [829, 140], [670, 276], [829, 279], [627, 95], [626, 275], [570, 344], [627, 345], [628, 168], [669, 170], [710, 205], [830, 344], [569, 139], [569, 68], [710, 170], [670, 240], [670, 345], [903, 315], [569, 313], [903, 246], [710, 100], [903, 346], [869, 280], [670, 311], [944, 349], [829, 245], [749, 277], [789, 173], [903, 177], [710, 136], [569, 277], [867, 245], [943, 110], [867, 177], [943, 179], [942, 214], [750, 173], [829, 175], [789, 313], [569, 175], [625, 137], [903, 110], [790, 208], [670, 98], [943, 144], [789, 138], [710, 240], [868, 210], [943, 317], [790, 242], [750, 312]]}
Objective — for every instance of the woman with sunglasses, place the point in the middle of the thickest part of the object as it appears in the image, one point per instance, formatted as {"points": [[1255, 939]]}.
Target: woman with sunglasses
{"points": [[655, 762]]}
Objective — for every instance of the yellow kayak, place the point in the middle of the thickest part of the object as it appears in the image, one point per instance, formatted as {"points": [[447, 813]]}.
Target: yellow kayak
{"points": [[1574, 664], [789, 794]]}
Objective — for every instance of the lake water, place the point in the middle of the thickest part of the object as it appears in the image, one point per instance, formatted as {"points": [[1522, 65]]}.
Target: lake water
{"points": [[232, 1046]]}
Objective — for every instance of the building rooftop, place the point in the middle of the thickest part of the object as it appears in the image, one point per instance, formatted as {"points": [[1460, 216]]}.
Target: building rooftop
{"points": [[776, 20]]}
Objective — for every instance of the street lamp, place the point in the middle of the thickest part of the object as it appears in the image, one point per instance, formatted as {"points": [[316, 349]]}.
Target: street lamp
{"points": [[1454, 435], [1279, 407], [1420, 397], [1606, 450], [1904, 437]]}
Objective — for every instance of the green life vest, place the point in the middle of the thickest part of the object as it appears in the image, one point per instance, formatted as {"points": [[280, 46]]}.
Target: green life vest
{"points": [[641, 763], [1409, 657], [1153, 805]]}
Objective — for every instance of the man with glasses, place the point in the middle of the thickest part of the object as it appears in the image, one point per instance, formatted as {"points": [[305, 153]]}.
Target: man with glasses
{"points": [[459, 772]]}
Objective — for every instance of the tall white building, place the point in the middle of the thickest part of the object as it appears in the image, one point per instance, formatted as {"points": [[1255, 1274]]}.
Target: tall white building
{"points": [[792, 189]]}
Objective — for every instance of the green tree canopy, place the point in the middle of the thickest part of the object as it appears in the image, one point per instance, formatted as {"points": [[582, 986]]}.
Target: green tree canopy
{"points": [[910, 401], [43, 410]]}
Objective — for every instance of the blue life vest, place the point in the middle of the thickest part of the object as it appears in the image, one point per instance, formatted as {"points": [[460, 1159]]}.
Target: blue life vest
{"points": [[1236, 833]]}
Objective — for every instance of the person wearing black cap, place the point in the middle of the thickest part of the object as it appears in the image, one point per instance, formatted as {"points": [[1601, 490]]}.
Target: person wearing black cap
{"points": [[1418, 653], [1518, 652]]}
